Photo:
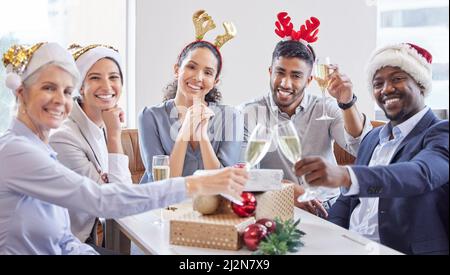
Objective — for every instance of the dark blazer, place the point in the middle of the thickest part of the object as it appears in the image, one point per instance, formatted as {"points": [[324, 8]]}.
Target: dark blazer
{"points": [[413, 189]]}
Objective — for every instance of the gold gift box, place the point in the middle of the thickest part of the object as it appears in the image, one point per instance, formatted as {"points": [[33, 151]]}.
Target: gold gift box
{"points": [[219, 231], [270, 204], [223, 229]]}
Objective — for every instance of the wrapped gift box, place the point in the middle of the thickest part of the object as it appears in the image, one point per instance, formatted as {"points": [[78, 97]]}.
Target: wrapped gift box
{"points": [[220, 231], [262, 180], [276, 204], [270, 204]]}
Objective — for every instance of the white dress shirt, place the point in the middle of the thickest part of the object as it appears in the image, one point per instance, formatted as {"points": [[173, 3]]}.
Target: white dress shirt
{"points": [[364, 218], [81, 147], [35, 189]]}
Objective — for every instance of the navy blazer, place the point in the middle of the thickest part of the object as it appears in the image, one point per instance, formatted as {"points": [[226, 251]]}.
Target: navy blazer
{"points": [[413, 190]]}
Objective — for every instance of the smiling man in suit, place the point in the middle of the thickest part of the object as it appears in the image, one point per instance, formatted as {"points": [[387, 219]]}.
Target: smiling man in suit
{"points": [[397, 193]]}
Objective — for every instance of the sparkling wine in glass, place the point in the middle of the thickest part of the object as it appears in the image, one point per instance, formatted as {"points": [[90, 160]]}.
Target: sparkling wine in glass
{"points": [[289, 143], [321, 75], [258, 145], [160, 171]]}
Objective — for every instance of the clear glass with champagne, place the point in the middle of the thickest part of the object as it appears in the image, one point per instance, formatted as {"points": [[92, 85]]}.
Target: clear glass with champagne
{"points": [[258, 145], [160, 171], [321, 75], [290, 146]]}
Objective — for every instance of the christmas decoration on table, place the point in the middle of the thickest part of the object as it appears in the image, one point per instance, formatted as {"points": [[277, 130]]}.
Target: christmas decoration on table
{"points": [[218, 231], [206, 205], [263, 180], [219, 223], [285, 239], [270, 204], [269, 224], [248, 207], [253, 235]]}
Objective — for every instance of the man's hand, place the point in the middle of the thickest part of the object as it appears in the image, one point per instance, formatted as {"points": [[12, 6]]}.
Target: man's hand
{"points": [[340, 86], [314, 207], [318, 172]]}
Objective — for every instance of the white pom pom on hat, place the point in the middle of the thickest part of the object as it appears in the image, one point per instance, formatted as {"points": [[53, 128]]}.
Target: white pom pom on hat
{"points": [[13, 81]]}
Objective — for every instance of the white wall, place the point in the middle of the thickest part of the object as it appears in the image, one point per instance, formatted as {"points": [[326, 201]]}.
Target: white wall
{"points": [[163, 28]]}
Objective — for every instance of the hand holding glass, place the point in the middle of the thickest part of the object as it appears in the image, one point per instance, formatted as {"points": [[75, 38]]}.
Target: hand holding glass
{"points": [[289, 142], [258, 145], [321, 75]]}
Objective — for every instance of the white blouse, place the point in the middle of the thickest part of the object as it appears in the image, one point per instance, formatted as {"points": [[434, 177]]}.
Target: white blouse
{"points": [[35, 189]]}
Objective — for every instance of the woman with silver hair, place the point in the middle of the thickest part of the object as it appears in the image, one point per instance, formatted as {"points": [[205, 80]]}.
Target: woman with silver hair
{"points": [[35, 189]]}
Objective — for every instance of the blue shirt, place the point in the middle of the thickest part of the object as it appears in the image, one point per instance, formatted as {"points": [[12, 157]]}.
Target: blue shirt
{"points": [[35, 190], [159, 127], [364, 218]]}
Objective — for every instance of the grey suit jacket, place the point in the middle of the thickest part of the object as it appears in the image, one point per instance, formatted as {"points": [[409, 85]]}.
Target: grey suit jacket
{"points": [[81, 147]]}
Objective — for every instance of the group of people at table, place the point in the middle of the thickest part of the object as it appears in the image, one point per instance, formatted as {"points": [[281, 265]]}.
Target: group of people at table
{"points": [[62, 162]]}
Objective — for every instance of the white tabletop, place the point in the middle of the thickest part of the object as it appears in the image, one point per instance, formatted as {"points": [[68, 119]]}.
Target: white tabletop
{"points": [[322, 237]]}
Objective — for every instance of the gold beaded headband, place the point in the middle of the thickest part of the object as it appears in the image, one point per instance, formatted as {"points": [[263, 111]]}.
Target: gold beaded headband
{"points": [[19, 56], [78, 50]]}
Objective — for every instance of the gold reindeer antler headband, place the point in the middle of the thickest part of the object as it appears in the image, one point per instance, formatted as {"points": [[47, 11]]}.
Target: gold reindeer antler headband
{"points": [[204, 23]]}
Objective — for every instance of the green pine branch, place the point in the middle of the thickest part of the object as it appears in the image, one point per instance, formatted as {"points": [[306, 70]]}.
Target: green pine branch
{"points": [[285, 239]]}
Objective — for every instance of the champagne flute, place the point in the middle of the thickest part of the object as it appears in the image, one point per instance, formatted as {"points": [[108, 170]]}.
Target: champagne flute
{"points": [[321, 75], [290, 146], [160, 171], [258, 145]]}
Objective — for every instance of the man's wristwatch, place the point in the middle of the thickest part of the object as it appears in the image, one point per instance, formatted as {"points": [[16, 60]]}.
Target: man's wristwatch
{"points": [[348, 105]]}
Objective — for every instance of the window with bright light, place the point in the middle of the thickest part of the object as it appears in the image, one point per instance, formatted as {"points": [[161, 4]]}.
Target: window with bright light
{"points": [[64, 21], [425, 23]]}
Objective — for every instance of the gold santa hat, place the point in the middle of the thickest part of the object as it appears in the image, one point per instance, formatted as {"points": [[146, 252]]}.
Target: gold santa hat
{"points": [[22, 61], [86, 57]]}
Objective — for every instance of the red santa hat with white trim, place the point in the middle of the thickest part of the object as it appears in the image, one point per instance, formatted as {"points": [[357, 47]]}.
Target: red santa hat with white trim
{"points": [[414, 60]]}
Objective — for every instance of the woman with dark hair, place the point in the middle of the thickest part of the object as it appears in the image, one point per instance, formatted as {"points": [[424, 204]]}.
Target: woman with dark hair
{"points": [[89, 141], [190, 125]]}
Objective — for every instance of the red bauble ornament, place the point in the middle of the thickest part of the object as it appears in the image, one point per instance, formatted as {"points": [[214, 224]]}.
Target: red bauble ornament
{"points": [[269, 224], [253, 235], [248, 206]]}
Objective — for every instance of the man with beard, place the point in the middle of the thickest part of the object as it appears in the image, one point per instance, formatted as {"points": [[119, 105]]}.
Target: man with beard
{"points": [[397, 193], [290, 75]]}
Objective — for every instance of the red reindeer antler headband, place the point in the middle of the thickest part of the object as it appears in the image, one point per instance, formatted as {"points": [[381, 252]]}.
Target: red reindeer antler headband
{"points": [[307, 33]]}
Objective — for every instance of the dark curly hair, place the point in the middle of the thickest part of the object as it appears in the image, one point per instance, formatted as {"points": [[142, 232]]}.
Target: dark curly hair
{"points": [[170, 91]]}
